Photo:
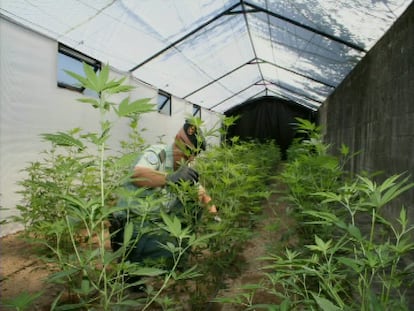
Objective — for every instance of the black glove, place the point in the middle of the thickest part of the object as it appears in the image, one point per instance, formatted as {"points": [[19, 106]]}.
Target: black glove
{"points": [[184, 173]]}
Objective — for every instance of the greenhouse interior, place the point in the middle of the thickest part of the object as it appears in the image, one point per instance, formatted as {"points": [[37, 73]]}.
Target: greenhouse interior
{"points": [[207, 155]]}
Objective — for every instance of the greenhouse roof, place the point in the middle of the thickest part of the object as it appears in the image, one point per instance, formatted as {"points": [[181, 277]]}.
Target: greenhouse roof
{"points": [[217, 53]]}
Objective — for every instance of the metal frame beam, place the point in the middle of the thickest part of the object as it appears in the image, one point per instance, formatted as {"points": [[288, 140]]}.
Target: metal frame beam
{"points": [[184, 37], [314, 30]]}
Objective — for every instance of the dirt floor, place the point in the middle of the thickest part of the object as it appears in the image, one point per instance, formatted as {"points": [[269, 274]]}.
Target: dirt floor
{"points": [[272, 233], [21, 271]]}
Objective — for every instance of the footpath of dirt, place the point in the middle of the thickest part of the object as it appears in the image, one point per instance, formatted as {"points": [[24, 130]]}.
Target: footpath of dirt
{"points": [[21, 271], [272, 233]]}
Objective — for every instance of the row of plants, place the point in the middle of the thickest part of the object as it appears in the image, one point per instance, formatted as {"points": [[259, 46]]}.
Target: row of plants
{"points": [[70, 195], [236, 175], [348, 256]]}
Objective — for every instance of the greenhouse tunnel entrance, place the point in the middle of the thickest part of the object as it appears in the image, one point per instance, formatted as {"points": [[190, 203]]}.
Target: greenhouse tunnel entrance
{"points": [[268, 118]]}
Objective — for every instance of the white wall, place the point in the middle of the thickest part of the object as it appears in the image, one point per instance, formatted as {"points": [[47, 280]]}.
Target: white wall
{"points": [[31, 104]]}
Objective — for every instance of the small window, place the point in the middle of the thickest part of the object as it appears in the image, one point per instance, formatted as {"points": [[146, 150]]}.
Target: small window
{"points": [[164, 103], [197, 111], [72, 60]]}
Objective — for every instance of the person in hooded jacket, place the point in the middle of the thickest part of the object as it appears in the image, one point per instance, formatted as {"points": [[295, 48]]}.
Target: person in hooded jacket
{"points": [[157, 167]]}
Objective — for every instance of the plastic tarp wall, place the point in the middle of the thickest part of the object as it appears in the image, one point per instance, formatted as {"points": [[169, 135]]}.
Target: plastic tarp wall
{"points": [[32, 104], [268, 118]]}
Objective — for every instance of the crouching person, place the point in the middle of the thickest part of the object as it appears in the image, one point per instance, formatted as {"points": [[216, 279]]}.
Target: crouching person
{"points": [[156, 171]]}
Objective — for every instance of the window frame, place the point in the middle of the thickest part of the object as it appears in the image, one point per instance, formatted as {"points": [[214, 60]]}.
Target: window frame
{"points": [[196, 111], [166, 104], [77, 56]]}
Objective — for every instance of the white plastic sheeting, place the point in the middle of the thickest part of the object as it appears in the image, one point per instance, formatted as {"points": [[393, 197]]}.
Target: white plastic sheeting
{"points": [[218, 53]]}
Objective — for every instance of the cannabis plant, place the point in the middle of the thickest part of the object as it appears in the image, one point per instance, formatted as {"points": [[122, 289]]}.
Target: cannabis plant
{"points": [[310, 169], [70, 196], [352, 256], [235, 175]]}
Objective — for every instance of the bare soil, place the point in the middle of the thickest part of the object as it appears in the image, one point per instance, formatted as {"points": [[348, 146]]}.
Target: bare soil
{"points": [[272, 234], [22, 271]]}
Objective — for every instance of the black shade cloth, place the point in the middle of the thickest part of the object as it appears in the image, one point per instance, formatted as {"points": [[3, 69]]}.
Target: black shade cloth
{"points": [[267, 118]]}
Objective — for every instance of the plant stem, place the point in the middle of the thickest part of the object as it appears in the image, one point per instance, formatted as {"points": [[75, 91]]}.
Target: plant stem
{"points": [[168, 277]]}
